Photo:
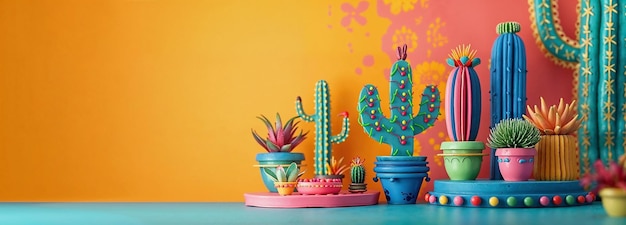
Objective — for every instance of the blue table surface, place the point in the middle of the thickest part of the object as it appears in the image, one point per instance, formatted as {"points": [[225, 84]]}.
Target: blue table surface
{"points": [[238, 213]]}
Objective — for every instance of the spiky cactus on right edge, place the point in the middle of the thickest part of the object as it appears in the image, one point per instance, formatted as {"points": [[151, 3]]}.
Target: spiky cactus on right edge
{"points": [[598, 57], [401, 127], [508, 80]]}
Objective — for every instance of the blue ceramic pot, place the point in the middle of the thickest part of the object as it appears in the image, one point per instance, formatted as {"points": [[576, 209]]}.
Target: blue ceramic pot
{"points": [[401, 177], [274, 159]]}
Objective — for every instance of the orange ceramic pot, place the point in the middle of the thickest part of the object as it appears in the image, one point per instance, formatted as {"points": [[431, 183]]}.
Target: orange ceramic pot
{"points": [[285, 188]]}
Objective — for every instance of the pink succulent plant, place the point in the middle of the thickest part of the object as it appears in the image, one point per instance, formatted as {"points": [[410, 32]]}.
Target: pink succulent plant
{"points": [[613, 176], [283, 137]]}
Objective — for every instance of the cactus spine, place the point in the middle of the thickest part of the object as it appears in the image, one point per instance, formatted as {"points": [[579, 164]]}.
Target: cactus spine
{"points": [[463, 96], [323, 137], [600, 56], [357, 174], [508, 80], [400, 128]]}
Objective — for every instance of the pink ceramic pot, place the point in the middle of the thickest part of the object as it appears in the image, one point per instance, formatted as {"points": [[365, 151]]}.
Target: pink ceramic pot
{"points": [[516, 164], [317, 186]]}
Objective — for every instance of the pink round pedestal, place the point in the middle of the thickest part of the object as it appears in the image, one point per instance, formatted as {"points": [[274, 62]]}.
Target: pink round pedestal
{"points": [[296, 200]]}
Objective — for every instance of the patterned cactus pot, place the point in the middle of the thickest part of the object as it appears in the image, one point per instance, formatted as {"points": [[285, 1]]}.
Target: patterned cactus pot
{"points": [[462, 159], [516, 164], [401, 183], [274, 159]]}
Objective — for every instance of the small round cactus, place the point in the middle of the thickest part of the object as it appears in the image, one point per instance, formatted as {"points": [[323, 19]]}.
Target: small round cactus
{"points": [[357, 171]]}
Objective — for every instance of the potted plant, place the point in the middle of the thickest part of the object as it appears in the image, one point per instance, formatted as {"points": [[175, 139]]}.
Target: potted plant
{"points": [[463, 155], [557, 156], [610, 184], [280, 141], [514, 140], [334, 169], [329, 183], [507, 86], [324, 139], [401, 173], [285, 181], [319, 186], [357, 176]]}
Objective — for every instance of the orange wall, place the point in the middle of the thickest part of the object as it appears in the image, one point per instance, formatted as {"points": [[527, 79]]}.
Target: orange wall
{"points": [[147, 100]]}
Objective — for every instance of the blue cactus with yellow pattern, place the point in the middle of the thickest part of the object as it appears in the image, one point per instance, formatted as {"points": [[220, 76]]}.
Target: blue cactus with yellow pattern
{"points": [[321, 117], [402, 126]]}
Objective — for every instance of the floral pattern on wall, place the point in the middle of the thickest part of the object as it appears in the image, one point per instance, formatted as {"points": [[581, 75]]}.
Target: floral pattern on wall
{"points": [[374, 29]]}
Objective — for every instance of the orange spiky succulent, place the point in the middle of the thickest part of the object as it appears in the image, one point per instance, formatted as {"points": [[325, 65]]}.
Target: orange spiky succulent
{"points": [[555, 120], [335, 168]]}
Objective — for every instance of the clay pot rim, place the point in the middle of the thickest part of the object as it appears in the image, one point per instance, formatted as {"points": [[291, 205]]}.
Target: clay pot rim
{"points": [[612, 192], [516, 152], [462, 154], [462, 145]]}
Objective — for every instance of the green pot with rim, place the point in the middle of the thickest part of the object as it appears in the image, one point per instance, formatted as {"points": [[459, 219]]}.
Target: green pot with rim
{"points": [[462, 159]]}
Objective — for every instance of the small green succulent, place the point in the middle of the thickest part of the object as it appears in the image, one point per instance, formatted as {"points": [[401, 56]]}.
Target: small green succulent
{"points": [[291, 174], [513, 133]]}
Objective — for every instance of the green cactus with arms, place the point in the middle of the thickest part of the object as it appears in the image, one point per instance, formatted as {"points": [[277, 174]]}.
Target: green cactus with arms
{"points": [[402, 126], [599, 57], [323, 137]]}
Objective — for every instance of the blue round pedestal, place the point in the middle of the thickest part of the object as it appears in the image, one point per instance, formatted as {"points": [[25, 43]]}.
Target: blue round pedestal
{"points": [[507, 194]]}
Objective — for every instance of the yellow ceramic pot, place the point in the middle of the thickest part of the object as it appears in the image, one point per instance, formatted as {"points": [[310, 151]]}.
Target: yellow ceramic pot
{"points": [[614, 201], [285, 188]]}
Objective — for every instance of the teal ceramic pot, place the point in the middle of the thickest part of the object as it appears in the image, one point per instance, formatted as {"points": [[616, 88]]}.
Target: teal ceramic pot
{"points": [[273, 160]]}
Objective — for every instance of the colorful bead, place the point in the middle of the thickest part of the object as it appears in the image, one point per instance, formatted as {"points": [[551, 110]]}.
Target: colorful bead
{"points": [[458, 200], [511, 201], [493, 201], [443, 200], [475, 200], [589, 198], [557, 200], [528, 201], [581, 199], [426, 196], [432, 199], [544, 201], [570, 200]]}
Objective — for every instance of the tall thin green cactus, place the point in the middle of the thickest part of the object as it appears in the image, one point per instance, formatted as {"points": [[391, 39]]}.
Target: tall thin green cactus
{"points": [[600, 56], [321, 117], [400, 129]]}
